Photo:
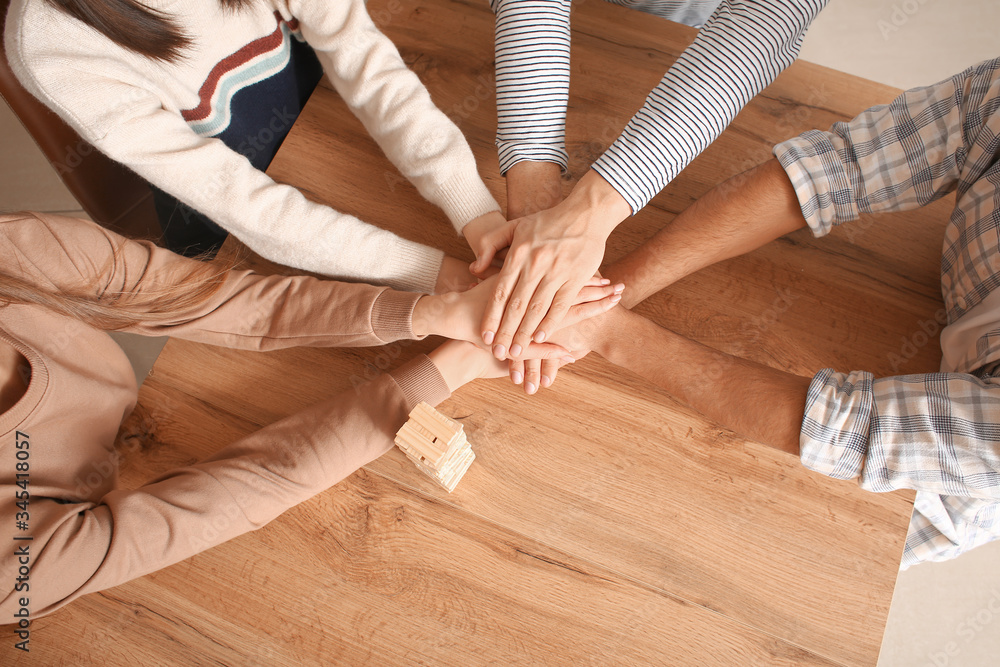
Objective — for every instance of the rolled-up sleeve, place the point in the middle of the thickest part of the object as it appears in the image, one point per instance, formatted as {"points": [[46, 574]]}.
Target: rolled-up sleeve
{"points": [[898, 156], [934, 432]]}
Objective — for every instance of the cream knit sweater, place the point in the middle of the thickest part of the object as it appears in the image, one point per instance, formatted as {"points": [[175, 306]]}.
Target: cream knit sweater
{"points": [[129, 107]]}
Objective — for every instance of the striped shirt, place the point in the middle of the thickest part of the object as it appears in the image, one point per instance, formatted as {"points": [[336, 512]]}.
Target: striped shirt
{"points": [[937, 433], [742, 47]]}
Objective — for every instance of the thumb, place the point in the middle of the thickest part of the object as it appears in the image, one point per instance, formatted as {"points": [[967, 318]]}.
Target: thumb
{"points": [[489, 245]]}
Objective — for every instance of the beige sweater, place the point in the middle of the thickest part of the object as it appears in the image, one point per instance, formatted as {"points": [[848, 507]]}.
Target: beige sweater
{"points": [[89, 536], [130, 107]]}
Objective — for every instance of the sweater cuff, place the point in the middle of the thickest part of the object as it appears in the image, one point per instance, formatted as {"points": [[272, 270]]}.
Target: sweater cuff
{"points": [[464, 197], [419, 381], [392, 315], [416, 267]]}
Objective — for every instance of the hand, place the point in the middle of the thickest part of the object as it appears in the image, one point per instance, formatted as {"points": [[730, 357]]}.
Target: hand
{"points": [[541, 373], [488, 235], [595, 334], [532, 187], [456, 314], [454, 276], [460, 362], [536, 373], [552, 255]]}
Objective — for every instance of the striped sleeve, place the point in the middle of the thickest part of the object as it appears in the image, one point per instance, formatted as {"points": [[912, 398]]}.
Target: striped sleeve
{"points": [[742, 48], [532, 72]]}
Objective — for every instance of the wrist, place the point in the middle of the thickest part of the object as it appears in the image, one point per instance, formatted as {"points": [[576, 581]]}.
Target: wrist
{"points": [[532, 187], [618, 325], [449, 315], [421, 325], [457, 363], [597, 204]]}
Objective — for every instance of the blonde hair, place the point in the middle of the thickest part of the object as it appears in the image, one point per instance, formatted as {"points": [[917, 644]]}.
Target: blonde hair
{"points": [[115, 311]]}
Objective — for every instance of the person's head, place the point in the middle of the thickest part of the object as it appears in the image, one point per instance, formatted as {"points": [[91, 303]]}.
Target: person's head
{"points": [[118, 311], [133, 26]]}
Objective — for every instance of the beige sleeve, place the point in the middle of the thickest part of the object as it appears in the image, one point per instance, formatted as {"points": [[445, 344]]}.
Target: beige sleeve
{"points": [[87, 547], [248, 311]]}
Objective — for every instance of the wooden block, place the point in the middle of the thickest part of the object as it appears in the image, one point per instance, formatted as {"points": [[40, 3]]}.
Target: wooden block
{"points": [[436, 445]]}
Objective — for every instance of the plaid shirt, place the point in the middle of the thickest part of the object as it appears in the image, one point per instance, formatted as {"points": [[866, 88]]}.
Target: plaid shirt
{"points": [[937, 433]]}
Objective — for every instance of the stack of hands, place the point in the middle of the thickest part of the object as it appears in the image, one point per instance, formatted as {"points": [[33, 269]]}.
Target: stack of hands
{"points": [[534, 289]]}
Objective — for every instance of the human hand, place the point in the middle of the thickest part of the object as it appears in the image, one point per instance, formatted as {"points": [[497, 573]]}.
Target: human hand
{"points": [[488, 236], [594, 334], [456, 314], [552, 255], [541, 373], [454, 276]]}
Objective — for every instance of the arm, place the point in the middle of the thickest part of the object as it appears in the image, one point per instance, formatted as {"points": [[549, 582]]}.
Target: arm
{"points": [[532, 49], [81, 547], [246, 310], [743, 47], [825, 179], [737, 216], [685, 113], [119, 113], [726, 389], [930, 432], [395, 107]]}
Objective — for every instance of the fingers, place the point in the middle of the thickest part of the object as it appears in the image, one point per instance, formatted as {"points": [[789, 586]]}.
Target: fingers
{"points": [[525, 309], [516, 371], [564, 299], [502, 289], [539, 373], [597, 281], [550, 367], [598, 293], [586, 310], [489, 246], [547, 351], [532, 375]]}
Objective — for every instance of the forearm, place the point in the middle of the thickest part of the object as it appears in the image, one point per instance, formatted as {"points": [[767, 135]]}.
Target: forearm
{"points": [[931, 432], [396, 108], [532, 78], [737, 216], [758, 402], [128, 533], [273, 219], [160, 293], [746, 44]]}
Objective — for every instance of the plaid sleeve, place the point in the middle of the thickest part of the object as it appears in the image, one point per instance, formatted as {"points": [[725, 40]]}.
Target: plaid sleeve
{"points": [[935, 432], [891, 157]]}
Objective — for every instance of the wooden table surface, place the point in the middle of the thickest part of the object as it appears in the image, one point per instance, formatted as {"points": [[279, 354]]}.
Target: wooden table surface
{"points": [[602, 523]]}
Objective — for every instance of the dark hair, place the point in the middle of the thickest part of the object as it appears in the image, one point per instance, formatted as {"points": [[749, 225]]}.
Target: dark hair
{"points": [[132, 25]]}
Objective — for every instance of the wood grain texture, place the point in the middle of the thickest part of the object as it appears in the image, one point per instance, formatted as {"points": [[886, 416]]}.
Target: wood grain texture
{"points": [[601, 523]]}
